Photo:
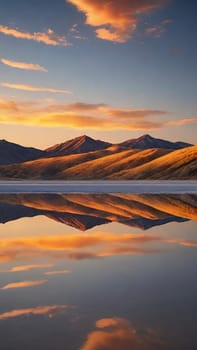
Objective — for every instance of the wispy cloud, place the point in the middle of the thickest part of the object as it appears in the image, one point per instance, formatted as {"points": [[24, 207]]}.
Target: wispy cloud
{"points": [[30, 267], [181, 122], [115, 20], [75, 33], [49, 37], [23, 65], [23, 284], [49, 310], [157, 30], [57, 272], [34, 88]]}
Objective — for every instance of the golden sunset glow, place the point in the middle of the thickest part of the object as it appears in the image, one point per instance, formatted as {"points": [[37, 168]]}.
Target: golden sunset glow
{"points": [[81, 115], [98, 175], [102, 64]]}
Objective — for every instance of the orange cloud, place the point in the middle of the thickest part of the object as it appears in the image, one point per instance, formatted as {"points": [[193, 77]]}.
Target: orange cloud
{"points": [[76, 121], [115, 20], [23, 65], [81, 115], [181, 122], [49, 37], [23, 284], [34, 88], [30, 267], [119, 334], [58, 272], [50, 311]]}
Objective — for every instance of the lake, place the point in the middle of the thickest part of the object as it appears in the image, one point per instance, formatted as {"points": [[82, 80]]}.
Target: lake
{"points": [[98, 271]]}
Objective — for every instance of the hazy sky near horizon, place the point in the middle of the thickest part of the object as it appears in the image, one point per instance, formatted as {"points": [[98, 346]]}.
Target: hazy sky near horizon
{"points": [[113, 70]]}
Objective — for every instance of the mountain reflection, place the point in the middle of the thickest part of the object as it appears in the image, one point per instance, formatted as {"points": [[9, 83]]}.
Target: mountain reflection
{"points": [[113, 287], [85, 211]]}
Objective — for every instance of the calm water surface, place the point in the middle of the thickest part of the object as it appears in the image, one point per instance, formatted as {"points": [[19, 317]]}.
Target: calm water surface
{"points": [[98, 272]]}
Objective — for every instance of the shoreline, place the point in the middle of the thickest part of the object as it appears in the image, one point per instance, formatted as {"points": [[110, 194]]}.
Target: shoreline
{"points": [[99, 186]]}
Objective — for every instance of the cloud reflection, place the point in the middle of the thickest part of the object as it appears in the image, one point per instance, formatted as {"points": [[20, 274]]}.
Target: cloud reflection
{"points": [[30, 267], [86, 246], [23, 284], [119, 334], [58, 272], [50, 311]]}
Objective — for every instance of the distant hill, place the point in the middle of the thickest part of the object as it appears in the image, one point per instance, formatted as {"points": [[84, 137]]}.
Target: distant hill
{"points": [[82, 144], [110, 165], [84, 158], [12, 153], [147, 141], [180, 164]]}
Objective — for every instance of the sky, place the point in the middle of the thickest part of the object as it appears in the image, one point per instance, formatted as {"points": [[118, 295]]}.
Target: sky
{"points": [[113, 70]]}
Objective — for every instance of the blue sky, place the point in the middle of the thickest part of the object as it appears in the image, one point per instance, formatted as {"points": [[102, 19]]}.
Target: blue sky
{"points": [[149, 68]]}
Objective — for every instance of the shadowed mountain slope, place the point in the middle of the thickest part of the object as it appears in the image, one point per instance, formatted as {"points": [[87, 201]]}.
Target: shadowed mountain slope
{"points": [[12, 153]]}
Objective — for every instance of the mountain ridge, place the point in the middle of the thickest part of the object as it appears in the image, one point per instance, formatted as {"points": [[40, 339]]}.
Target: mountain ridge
{"points": [[84, 158], [81, 144], [147, 141]]}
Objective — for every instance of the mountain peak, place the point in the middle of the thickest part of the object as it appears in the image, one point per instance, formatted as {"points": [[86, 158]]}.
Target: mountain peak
{"points": [[84, 137], [147, 141], [147, 136], [3, 141], [80, 144]]}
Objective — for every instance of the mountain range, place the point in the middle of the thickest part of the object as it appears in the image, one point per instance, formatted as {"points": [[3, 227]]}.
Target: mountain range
{"points": [[85, 158]]}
